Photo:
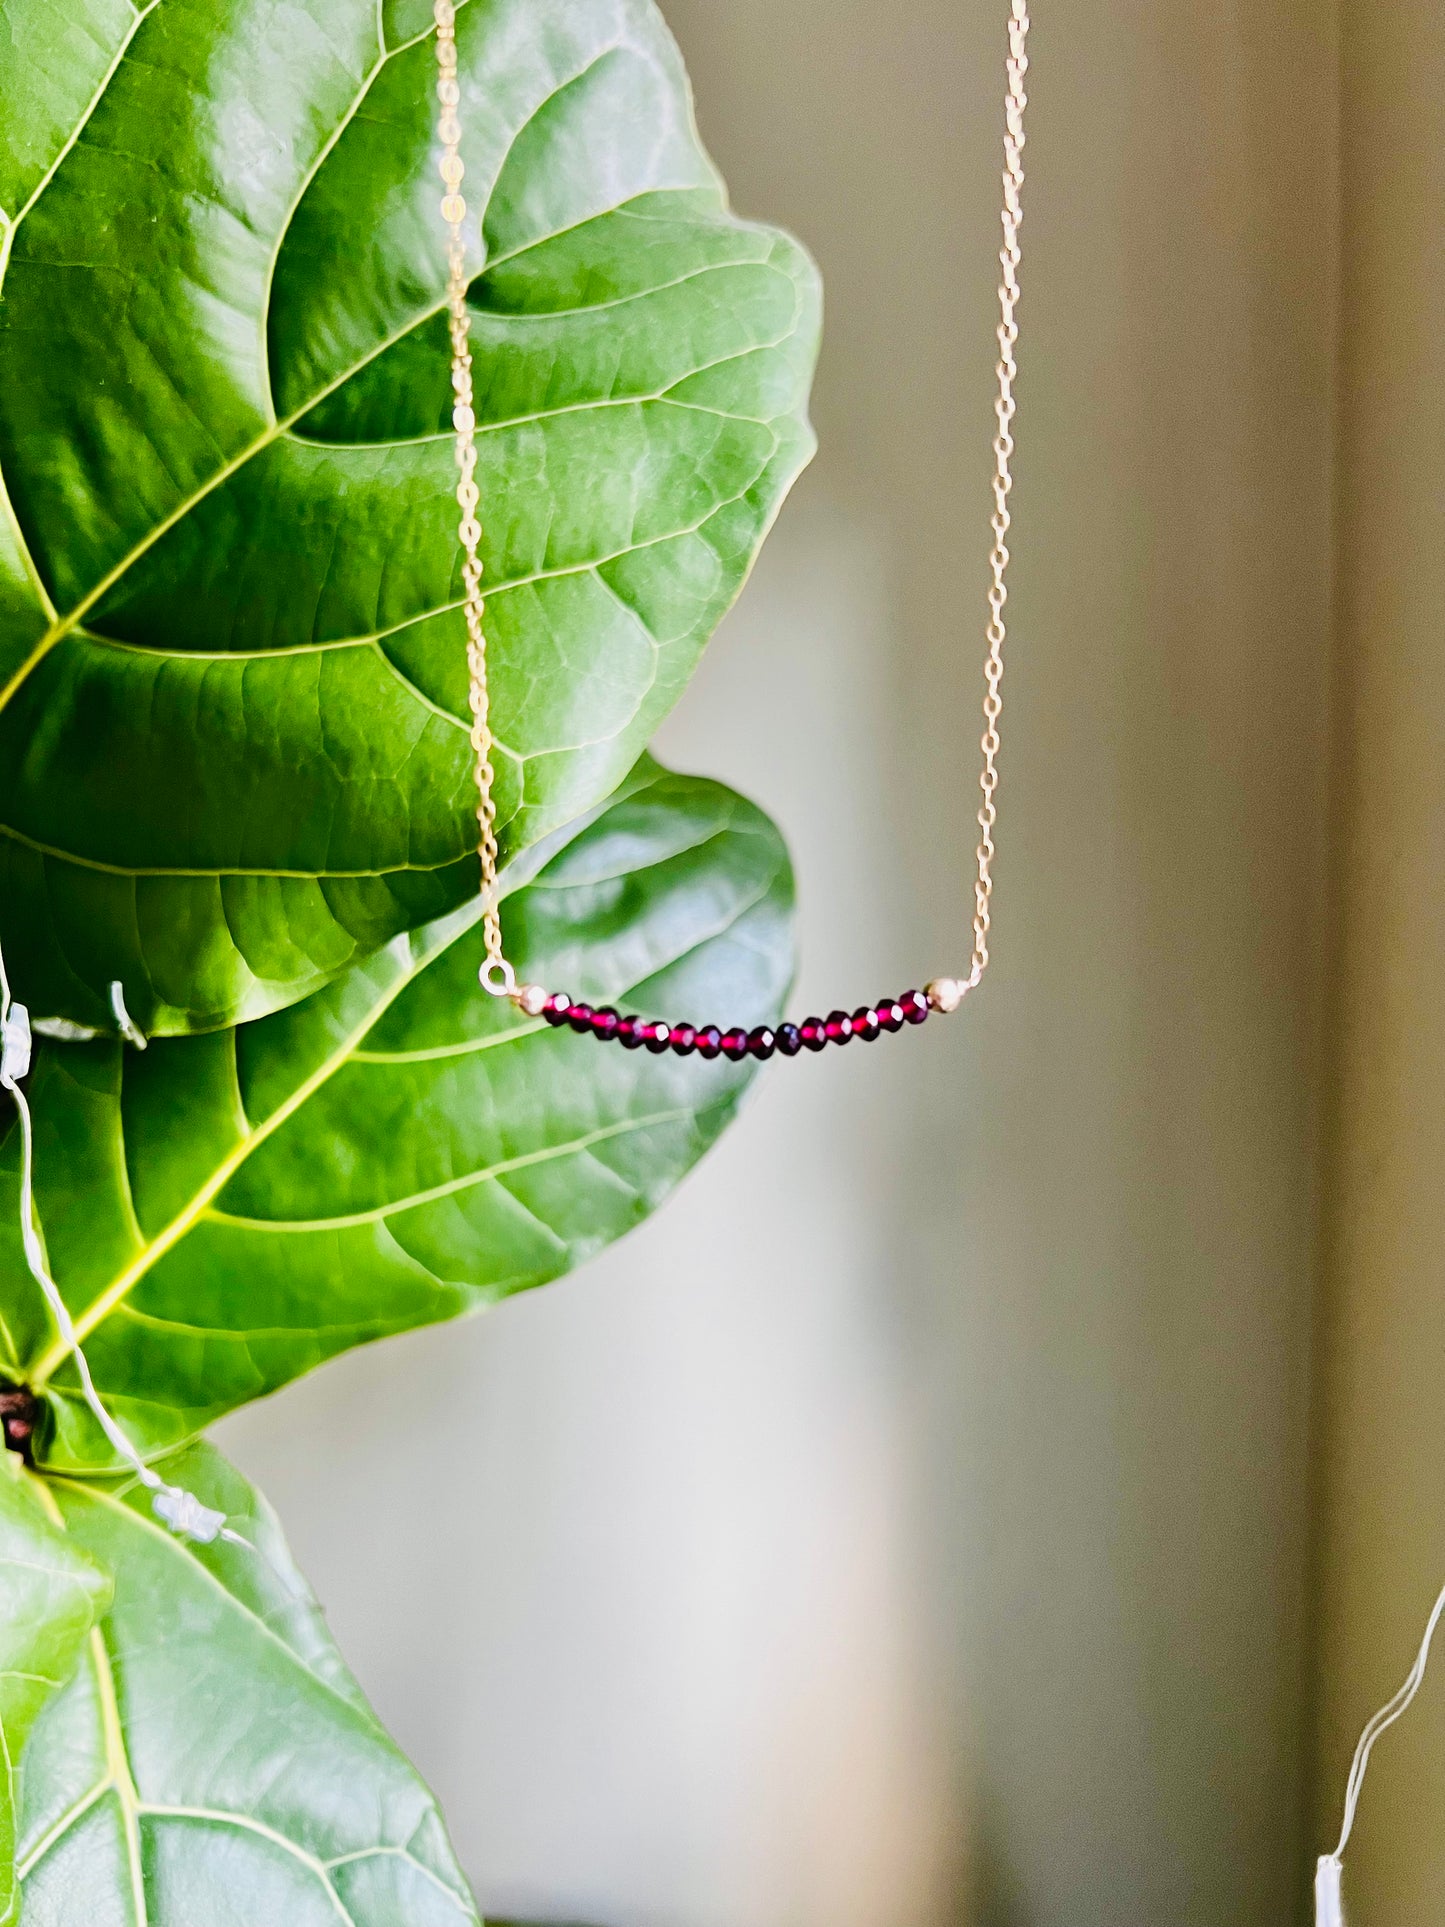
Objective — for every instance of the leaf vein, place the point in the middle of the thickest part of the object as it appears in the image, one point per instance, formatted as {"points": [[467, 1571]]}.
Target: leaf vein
{"points": [[454, 1187]]}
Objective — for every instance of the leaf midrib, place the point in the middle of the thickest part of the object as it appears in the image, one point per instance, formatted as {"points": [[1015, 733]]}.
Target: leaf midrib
{"points": [[187, 1217], [121, 1780], [118, 1778]]}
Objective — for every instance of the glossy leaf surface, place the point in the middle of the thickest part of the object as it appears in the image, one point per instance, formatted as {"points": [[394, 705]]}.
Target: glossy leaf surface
{"points": [[231, 662], [225, 1212], [50, 1593], [213, 1763]]}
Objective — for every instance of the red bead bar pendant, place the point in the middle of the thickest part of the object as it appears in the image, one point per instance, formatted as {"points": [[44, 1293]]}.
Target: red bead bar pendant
{"points": [[687, 1040]]}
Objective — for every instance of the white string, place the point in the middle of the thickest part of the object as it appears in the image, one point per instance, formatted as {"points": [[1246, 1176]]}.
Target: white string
{"points": [[1329, 1905], [186, 1515], [124, 1022]]}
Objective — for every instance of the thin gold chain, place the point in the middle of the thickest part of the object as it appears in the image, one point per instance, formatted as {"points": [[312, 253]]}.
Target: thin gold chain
{"points": [[497, 973], [1010, 256]]}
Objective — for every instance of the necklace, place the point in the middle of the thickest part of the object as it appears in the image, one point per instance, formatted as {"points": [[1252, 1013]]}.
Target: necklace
{"points": [[712, 1040]]}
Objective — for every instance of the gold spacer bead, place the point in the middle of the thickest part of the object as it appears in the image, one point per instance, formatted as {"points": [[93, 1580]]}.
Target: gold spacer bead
{"points": [[531, 998], [944, 993]]}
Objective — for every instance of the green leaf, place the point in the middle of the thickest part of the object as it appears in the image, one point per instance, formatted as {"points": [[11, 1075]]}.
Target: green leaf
{"points": [[51, 1591], [213, 1763], [225, 1212], [232, 754]]}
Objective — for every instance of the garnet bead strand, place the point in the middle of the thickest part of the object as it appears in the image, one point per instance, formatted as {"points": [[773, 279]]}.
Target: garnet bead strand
{"points": [[684, 1040]]}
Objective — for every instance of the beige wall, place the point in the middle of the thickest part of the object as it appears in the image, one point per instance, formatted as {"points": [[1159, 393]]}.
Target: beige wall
{"points": [[1383, 1549], [926, 1542], [1112, 1237]]}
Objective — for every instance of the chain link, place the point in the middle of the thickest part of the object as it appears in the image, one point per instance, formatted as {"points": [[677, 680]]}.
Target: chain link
{"points": [[497, 974], [1010, 257]]}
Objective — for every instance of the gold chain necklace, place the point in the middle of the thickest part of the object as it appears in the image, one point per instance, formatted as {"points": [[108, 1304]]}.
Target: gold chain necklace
{"points": [[710, 1040]]}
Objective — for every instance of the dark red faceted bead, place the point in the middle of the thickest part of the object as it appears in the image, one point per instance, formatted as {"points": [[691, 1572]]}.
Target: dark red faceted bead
{"points": [[839, 1027], [627, 1032], [761, 1043], [709, 1041], [915, 1006], [657, 1037], [19, 1418], [683, 1039], [604, 1022], [580, 1017], [814, 1033], [735, 1044], [865, 1023], [556, 1007], [891, 1014], [789, 1039]]}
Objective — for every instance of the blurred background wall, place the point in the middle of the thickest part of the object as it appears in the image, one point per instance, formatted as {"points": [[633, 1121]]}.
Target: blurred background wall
{"points": [[911, 1524], [1382, 1493]]}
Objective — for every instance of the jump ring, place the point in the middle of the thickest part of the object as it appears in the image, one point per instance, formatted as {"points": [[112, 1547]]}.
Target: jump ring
{"points": [[497, 977]]}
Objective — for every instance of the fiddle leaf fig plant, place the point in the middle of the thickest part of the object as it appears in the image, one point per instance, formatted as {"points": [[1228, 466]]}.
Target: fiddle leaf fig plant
{"points": [[270, 1113], [224, 1212], [52, 1592], [229, 541], [210, 1757]]}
